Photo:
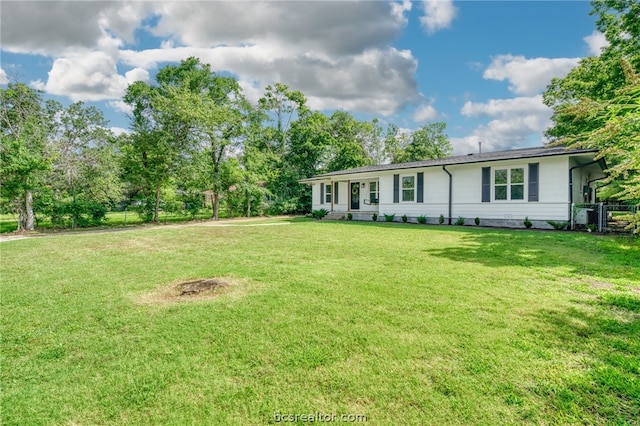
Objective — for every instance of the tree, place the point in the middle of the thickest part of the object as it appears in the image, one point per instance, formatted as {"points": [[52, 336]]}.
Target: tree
{"points": [[23, 157], [281, 108], [156, 150], [595, 105], [284, 106], [216, 112], [615, 133], [373, 142], [428, 142], [347, 148], [84, 161]]}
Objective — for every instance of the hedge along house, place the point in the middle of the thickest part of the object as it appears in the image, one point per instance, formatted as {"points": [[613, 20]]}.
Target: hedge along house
{"points": [[501, 188]]}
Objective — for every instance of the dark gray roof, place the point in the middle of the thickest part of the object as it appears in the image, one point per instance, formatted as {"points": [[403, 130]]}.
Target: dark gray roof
{"points": [[460, 159]]}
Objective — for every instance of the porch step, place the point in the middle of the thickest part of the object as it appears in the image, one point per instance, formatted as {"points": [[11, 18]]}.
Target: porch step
{"points": [[335, 216], [343, 216]]}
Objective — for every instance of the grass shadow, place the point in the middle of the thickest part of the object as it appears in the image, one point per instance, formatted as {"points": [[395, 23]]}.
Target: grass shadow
{"points": [[605, 335], [611, 257]]}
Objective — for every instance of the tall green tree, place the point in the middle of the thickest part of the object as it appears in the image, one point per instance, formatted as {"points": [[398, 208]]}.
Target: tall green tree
{"points": [[85, 165], [347, 148], [216, 112], [596, 104], [23, 157], [281, 109], [428, 142], [161, 136]]}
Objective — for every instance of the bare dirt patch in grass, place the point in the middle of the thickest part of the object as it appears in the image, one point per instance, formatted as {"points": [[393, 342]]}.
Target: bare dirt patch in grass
{"points": [[188, 291], [601, 285]]}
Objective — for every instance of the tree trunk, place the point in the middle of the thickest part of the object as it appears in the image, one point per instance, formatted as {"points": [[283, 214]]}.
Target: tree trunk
{"points": [[216, 204], [29, 219], [248, 203], [21, 216], [157, 206]]}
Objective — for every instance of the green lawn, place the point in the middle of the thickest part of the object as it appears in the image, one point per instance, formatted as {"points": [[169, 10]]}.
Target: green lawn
{"points": [[404, 324]]}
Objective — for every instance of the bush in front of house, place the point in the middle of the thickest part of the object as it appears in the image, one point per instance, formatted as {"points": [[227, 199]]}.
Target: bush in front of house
{"points": [[558, 226], [320, 213], [389, 217], [349, 216], [422, 219], [441, 219], [460, 221], [404, 218], [527, 223], [374, 217], [477, 221]]}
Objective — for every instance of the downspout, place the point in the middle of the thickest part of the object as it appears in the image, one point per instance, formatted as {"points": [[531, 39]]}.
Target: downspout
{"points": [[571, 188], [450, 191], [595, 189]]}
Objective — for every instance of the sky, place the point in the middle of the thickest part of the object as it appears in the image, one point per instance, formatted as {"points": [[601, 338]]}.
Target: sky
{"points": [[479, 66]]}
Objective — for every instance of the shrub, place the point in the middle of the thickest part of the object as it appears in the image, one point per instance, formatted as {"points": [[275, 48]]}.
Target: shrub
{"points": [[349, 216], [441, 219], [460, 221], [527, 223], [422, 219], [374, 217], [559, 226], [592, 227], [320, 213], [477, 221], [389, 217], [404, 218]]}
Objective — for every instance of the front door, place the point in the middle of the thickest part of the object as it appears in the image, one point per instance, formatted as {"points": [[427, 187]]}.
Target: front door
{"points": [[355, 195]]}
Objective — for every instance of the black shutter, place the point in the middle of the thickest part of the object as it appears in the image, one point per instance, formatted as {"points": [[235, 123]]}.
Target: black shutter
{"points": [[396, 188], [533, 181], [420, 198], [335, 193], [322, 193], [486, 184]]}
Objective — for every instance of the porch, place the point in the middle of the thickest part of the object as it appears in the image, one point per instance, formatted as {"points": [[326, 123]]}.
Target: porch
{"points": [[351, 196]]}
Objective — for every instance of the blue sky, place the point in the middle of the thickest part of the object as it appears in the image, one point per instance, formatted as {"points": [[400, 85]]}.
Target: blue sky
{"points": [[479, 66]]}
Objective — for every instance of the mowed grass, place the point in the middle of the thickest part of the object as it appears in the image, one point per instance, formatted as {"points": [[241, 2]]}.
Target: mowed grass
{"points": [[403, 324]]}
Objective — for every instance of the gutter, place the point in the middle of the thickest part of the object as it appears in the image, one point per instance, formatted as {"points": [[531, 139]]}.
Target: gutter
{"points": [[595, 188], [450, 190]]}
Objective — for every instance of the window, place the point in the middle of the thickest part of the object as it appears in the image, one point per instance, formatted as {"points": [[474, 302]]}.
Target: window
{"points": [[408, 188], [508, 184], [373, 192], [327, 193]]}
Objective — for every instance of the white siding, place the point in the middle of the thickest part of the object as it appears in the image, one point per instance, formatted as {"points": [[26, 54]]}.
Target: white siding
{"points": [[343, 198], [553, 191]]}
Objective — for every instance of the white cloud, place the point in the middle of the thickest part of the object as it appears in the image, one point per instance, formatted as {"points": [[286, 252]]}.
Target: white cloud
{"points": [[3, 77], [518, 122], [528, 76], [53, 28], [438, 14], [137, 74], [596, 42], [38, 84], [425, 112], [342, 82], [502, 107], [337, 28], [120, 131], [89, 76], [121, 106], [334, 52]]}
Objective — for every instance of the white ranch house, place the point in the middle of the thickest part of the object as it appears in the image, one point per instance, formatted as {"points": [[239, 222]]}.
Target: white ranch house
{"points": [[501, 188]]}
